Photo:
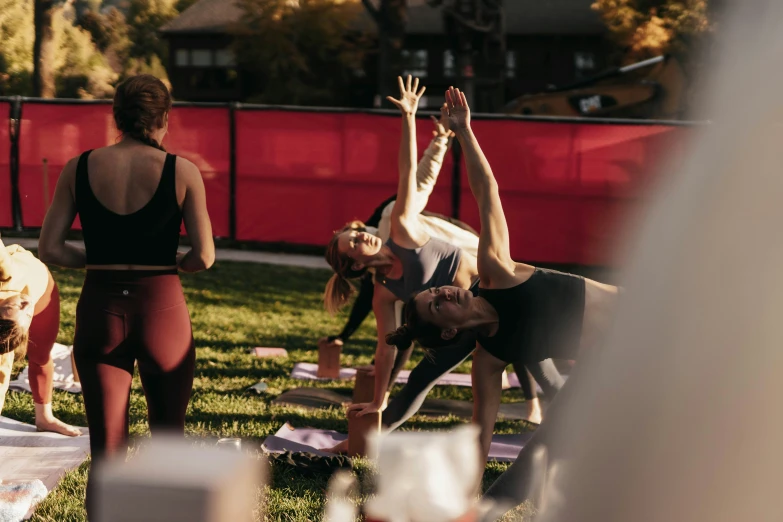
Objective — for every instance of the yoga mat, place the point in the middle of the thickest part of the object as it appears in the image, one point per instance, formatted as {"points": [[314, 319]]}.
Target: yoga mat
{"points": [[318, 398], [26, 454], [307, 371], [63, 372], [504, 448], [269, 352]]}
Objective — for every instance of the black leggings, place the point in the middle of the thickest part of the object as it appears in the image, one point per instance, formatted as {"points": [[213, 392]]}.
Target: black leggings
{"points": [[124, 317], [432, 367], [544, 373]]}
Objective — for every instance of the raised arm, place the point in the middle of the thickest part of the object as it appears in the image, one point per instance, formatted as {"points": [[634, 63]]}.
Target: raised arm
{"points": [[432, 160], [383, 307], [52, 247], [405, 229], [197, 224], [494, 253]]}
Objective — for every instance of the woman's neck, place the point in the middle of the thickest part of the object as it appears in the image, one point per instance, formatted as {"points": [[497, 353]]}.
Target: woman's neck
{"points": [[384, 261], [485, 318]]}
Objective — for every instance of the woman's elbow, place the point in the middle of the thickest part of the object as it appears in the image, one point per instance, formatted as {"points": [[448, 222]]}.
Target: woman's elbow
{"points": [[208, 259], [46, 253], [205, 259]]}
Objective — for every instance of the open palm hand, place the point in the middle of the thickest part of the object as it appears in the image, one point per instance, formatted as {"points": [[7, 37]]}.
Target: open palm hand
{"points": [[410, 94], [459, 112]]}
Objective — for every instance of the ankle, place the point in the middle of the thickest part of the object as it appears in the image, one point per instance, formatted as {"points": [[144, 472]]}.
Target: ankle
{"points": [[44, 412]]}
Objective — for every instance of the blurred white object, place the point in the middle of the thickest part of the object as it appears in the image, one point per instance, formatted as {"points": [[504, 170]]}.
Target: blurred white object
{"points": [[425, 476], [171, 480], [17, 500], [678, 418], [232, 443], [340, 496]]}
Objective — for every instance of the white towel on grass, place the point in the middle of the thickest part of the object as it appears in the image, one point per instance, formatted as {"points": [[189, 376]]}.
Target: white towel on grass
{"points": [[63, 372]]}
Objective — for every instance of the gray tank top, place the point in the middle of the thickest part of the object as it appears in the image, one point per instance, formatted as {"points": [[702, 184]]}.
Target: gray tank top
{"points": [[433, 264]]}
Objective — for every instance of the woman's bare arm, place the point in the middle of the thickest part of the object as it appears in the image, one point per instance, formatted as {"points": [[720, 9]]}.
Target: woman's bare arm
{"points": [[494, 255], [487, 378], [52, 247], [405, 228], [383, 307], [201, 255]]}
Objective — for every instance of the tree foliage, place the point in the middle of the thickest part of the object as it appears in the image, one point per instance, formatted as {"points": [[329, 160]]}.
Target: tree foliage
{"points": [[303, 52], [646, 28], [16, 52], [79, 68], [144, 18]]}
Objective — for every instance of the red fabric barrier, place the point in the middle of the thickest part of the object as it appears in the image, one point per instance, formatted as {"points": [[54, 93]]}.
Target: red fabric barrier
{"points": [[6, 216], [202, 135], [58, 133], [302, 175], [568, 189]]}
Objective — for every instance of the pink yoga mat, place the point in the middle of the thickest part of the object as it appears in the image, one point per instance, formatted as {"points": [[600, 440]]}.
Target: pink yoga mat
{"points": [[270, 352], [504, 448], [307, 371]]}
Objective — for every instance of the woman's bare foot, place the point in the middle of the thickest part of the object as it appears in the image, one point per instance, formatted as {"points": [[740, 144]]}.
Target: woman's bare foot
{"points": [[46, 421], [534, 411], [340, 448]]}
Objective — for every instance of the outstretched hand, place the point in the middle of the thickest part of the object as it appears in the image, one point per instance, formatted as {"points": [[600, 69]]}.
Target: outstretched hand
{"points": [[363, 408], [442, 127], [459, 112], [410, 94]]}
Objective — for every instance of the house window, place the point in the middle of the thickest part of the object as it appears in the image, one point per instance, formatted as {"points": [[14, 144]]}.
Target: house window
{"points": [[201, 58], [511, 64], [584, 63], [225, 58], [449, 65], [181, 58], [415, 63]]}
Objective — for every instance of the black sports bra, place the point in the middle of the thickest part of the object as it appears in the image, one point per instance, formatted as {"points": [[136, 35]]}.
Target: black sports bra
{"points": [[149, 236], [538, 319]]}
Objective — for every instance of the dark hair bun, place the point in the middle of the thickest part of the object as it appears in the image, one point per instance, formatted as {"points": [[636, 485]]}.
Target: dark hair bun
{"points": [[401, 338]]}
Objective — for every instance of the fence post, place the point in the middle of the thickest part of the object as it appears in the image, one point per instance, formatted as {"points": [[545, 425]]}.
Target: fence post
{"points": [[456, 178], [232, 172], [14, 125]]}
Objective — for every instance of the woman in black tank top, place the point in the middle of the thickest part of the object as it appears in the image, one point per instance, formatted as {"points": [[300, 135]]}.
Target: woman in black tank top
{"points": [[521, 313], [411, 260], [131, 308]]}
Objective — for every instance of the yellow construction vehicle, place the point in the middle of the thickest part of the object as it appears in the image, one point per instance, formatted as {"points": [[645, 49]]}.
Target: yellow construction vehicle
{"points": [[614, 94]]}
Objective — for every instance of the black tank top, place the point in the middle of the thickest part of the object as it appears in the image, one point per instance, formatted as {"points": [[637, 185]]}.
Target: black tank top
{"points": [[149, 236], [538, 319]]}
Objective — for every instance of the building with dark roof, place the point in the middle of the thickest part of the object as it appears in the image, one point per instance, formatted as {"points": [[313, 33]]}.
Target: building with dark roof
{"points": [[548, 42]]}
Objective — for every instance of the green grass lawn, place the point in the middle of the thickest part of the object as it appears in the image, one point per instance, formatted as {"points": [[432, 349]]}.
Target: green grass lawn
{"points": [[234, 307]]}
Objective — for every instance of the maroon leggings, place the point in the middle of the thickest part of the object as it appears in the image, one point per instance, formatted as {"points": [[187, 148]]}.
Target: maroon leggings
{"points": [[124, 317], [43, 334]]}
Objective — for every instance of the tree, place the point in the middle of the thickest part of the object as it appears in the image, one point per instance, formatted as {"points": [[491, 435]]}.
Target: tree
{"points": [[304, 53], [43, 47], [109, 31], [16, 51], [647, 28], [80, 68], [391, 20], [148, 52]]}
